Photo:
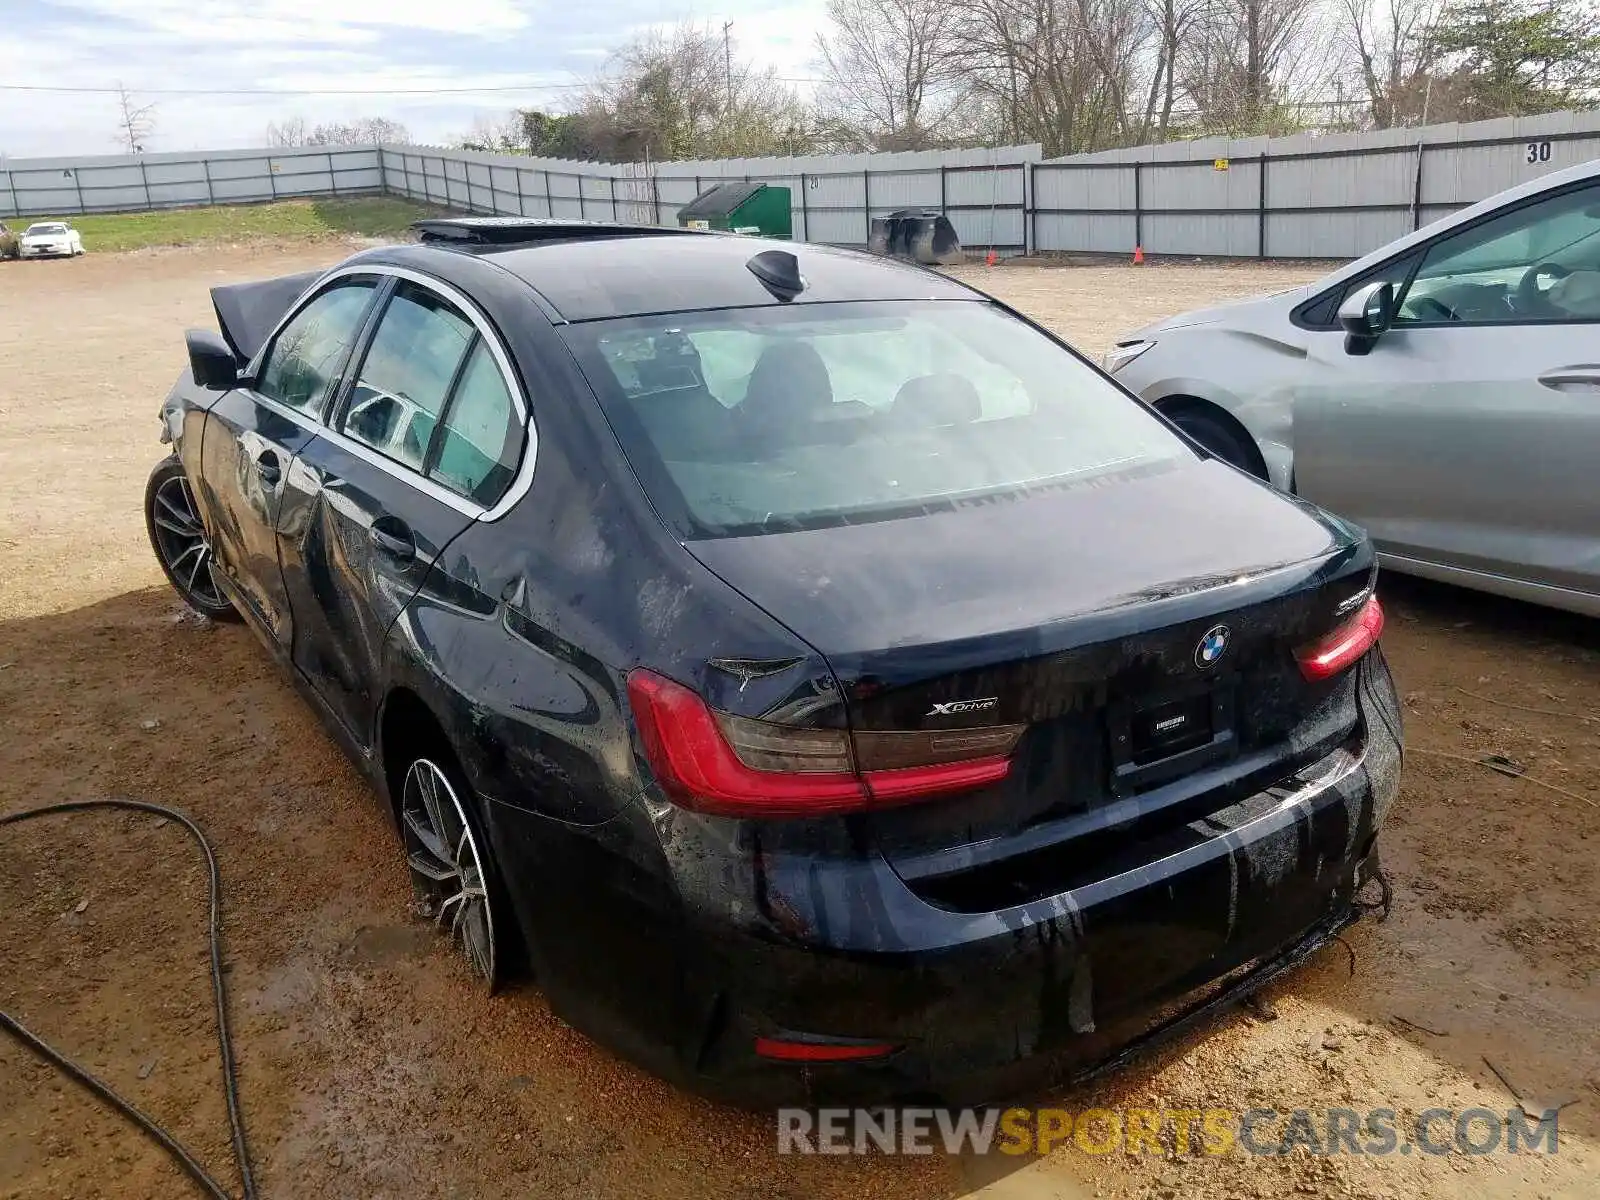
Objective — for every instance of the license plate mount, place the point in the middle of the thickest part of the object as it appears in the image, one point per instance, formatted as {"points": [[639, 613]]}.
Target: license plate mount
{"points": [[1163, 737]]}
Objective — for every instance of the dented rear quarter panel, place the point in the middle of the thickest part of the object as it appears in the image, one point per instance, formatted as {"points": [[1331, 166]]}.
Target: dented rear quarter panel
{"points": [[557, 600]]}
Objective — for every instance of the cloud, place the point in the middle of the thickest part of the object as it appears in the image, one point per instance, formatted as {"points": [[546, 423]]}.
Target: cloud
{"points": [[312, 47], [222, 21]]}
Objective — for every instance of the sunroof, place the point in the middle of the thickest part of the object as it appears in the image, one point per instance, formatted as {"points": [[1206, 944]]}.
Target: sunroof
{"points": [[511, 231]]}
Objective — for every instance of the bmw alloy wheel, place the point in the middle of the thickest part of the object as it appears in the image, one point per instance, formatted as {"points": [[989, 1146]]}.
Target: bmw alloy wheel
{"points": [[181, 542], [447, 869]]}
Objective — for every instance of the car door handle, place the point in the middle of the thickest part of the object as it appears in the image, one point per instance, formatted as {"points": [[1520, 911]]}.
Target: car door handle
{"points": [[268, 467], [394, 539], [1583, 377]]}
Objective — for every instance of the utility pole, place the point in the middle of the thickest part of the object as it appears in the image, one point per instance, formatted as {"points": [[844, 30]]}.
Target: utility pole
{"points": [[727, 61]]}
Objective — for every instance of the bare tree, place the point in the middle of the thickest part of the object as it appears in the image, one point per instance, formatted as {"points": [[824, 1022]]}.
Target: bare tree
{"points": [[498, 135], [1246, 57], [363, 131], [1012, 53], [1394, 47], [1173, 21], [1117, 36], [135, 121], [291, 131], [1081, 75], [890, 78], [1035, 66], [1075, 75]]}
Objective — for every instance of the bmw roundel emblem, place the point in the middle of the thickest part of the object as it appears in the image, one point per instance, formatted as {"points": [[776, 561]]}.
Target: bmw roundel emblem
{"points": [[1212, 647]]}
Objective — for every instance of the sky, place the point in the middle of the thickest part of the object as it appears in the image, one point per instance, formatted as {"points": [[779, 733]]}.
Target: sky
{"points": [[540, 47]]}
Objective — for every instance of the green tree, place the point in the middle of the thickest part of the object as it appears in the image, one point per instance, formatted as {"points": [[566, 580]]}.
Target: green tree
{"points": [[554, 135], [685, 93], [1508, 58], [667, 94]]}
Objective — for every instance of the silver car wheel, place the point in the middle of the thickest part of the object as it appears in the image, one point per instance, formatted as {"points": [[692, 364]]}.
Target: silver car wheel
{"points": [[447, 869], [181, 539]]}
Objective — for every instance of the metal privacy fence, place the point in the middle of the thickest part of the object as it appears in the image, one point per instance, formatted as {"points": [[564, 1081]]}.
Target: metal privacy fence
{"points": [[1330, 196], [1308, 196], [122, 183], [834, 198]]}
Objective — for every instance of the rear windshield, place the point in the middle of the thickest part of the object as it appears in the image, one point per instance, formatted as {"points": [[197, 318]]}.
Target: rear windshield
{"points": [[768, 419]]}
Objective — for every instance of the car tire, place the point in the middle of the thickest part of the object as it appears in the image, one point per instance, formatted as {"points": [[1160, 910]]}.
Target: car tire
{"points": [[453, 874], [180, 541], [1215, 437]]}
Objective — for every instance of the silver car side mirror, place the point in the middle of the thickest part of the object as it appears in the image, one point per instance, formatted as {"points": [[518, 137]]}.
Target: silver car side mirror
{"points": [[1365, 314]]}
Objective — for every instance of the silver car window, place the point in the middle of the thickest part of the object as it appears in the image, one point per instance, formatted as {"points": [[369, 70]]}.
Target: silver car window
{"points": [[1538, 262]]}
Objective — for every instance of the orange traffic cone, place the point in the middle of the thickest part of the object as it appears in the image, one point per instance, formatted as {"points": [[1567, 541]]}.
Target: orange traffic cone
{"points": [[991, 259], [1138, 256]]}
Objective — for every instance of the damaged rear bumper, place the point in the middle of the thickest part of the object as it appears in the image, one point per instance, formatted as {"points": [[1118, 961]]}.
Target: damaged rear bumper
{"points": [[986, 1005]]}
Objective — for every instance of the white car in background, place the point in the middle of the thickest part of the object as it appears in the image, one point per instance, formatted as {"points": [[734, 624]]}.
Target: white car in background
{"points": [[50, 239], [1443, 392]]}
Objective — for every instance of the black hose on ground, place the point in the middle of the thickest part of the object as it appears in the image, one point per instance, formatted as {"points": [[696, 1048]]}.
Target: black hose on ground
{"points": [[103, 1091]]}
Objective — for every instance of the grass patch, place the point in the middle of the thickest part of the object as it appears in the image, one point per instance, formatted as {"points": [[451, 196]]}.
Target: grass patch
{"points": [[365, 216]]}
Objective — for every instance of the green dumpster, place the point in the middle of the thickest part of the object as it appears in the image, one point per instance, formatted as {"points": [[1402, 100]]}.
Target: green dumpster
{"points": [[758, 208]]}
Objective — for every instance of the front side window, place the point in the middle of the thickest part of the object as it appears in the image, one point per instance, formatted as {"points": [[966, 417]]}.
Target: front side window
{"points": [[1322, 312], [405, 378], [1539, 262], [758, 420], [306, 355]]}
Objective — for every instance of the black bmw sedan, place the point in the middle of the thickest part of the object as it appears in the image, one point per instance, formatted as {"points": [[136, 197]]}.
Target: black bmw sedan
{"points": [[824, 682]]}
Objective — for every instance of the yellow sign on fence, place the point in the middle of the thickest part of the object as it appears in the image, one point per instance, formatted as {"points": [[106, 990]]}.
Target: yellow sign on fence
{"points": [[1219, 164]]}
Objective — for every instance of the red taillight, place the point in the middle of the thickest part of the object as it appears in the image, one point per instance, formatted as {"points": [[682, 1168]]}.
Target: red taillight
{"points": [[910, 783], [703, 759], [697, 768], [817, 1051], [1329, 655]]}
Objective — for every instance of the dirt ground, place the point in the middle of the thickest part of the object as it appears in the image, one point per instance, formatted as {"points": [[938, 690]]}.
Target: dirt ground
{"points": [[371, 1068]]}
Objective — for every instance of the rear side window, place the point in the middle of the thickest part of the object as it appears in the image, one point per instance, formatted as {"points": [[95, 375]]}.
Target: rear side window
{"points": [[306, 355], [759, 420], [482, 436], [406, 376]]}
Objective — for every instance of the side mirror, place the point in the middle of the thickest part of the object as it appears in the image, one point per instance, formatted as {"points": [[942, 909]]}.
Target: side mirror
{"points": [[1365, 314], [211, 362]]}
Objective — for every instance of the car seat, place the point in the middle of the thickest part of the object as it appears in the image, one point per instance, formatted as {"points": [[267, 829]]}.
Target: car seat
{"points": [[789, 391], [932, 400]]}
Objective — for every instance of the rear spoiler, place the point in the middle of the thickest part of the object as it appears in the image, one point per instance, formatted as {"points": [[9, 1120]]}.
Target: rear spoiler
{"points": [[248, 312]]}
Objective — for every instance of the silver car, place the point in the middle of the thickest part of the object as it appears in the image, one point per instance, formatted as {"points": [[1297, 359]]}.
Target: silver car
{"points": [[1443, 391]]}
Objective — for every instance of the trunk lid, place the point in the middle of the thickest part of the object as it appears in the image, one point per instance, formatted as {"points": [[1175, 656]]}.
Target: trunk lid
{"points": [[1140, 627]]}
